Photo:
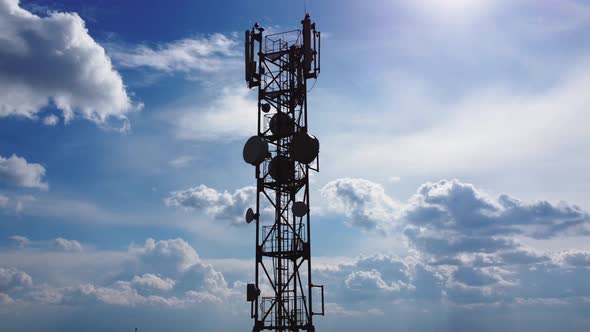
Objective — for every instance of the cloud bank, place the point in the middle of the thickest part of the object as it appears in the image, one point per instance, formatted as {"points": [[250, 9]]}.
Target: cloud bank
{"points": [[449, 214], [464, 247], [156, 273]]}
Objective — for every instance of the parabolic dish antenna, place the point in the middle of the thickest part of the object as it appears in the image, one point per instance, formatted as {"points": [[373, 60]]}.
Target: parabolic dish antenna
{"points": [[250, 215], [255, 150], [300, 209], [281, 169], [304, 147], [281, 125]]}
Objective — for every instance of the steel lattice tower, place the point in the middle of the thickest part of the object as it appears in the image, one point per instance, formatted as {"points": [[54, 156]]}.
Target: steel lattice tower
{"points": [[283, 153]]}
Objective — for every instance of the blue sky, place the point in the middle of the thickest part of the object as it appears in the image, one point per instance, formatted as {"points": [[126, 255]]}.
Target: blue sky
{"points": [[453, 194]]}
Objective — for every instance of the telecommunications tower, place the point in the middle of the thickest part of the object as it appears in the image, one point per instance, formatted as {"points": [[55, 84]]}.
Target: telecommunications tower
{"points": [[283, 153]]}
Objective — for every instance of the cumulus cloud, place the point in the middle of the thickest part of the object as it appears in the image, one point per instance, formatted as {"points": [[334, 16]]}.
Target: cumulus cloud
{"points": [[452, 216], [464, 246], [574, 258], [369, 281], [189, 55], [122, 294], [169, 255], [53, 60], [463, 243], [153, 281], [474, 276], [18, 172], [365, 203], [11, 278], [216, 204], [381, 278], [159, 273], [170, 274], [449, 217], [119, 294], [66, 245]]}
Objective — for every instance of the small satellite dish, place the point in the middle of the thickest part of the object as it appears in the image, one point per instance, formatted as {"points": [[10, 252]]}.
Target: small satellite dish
{"points": [[304, 147], [250, 215], [265, 108], [255, 150], [300, 209], [281, 169], [281, 125]]}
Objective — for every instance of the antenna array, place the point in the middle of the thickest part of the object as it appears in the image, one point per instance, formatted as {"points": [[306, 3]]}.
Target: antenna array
{"points": [[283, 153]]}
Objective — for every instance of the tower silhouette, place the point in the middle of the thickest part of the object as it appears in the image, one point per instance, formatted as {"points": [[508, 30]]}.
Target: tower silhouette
{"points": [[279, 65]]}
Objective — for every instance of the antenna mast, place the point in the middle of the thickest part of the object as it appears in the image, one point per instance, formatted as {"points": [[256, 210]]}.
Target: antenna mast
{"points": [[283, 153]]}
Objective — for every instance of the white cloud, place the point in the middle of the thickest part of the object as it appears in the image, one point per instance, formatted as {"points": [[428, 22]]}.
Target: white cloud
{"points": [[229, 115], [449, 216], [170, 266], [201, 297], [170, 255], [153, 281], [17, 171], [464, 247], [66, 245], [120, 293], [218, 205], [573, 258], [363, 202], [381, 279], [50, 120], [367, 281], [189, 55], [21, 241], [169, 274], [11, 278], [54, 59], [467, 240]]}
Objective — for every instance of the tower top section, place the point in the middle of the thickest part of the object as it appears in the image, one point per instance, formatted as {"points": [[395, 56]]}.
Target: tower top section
{"points": [[305, 42]]}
